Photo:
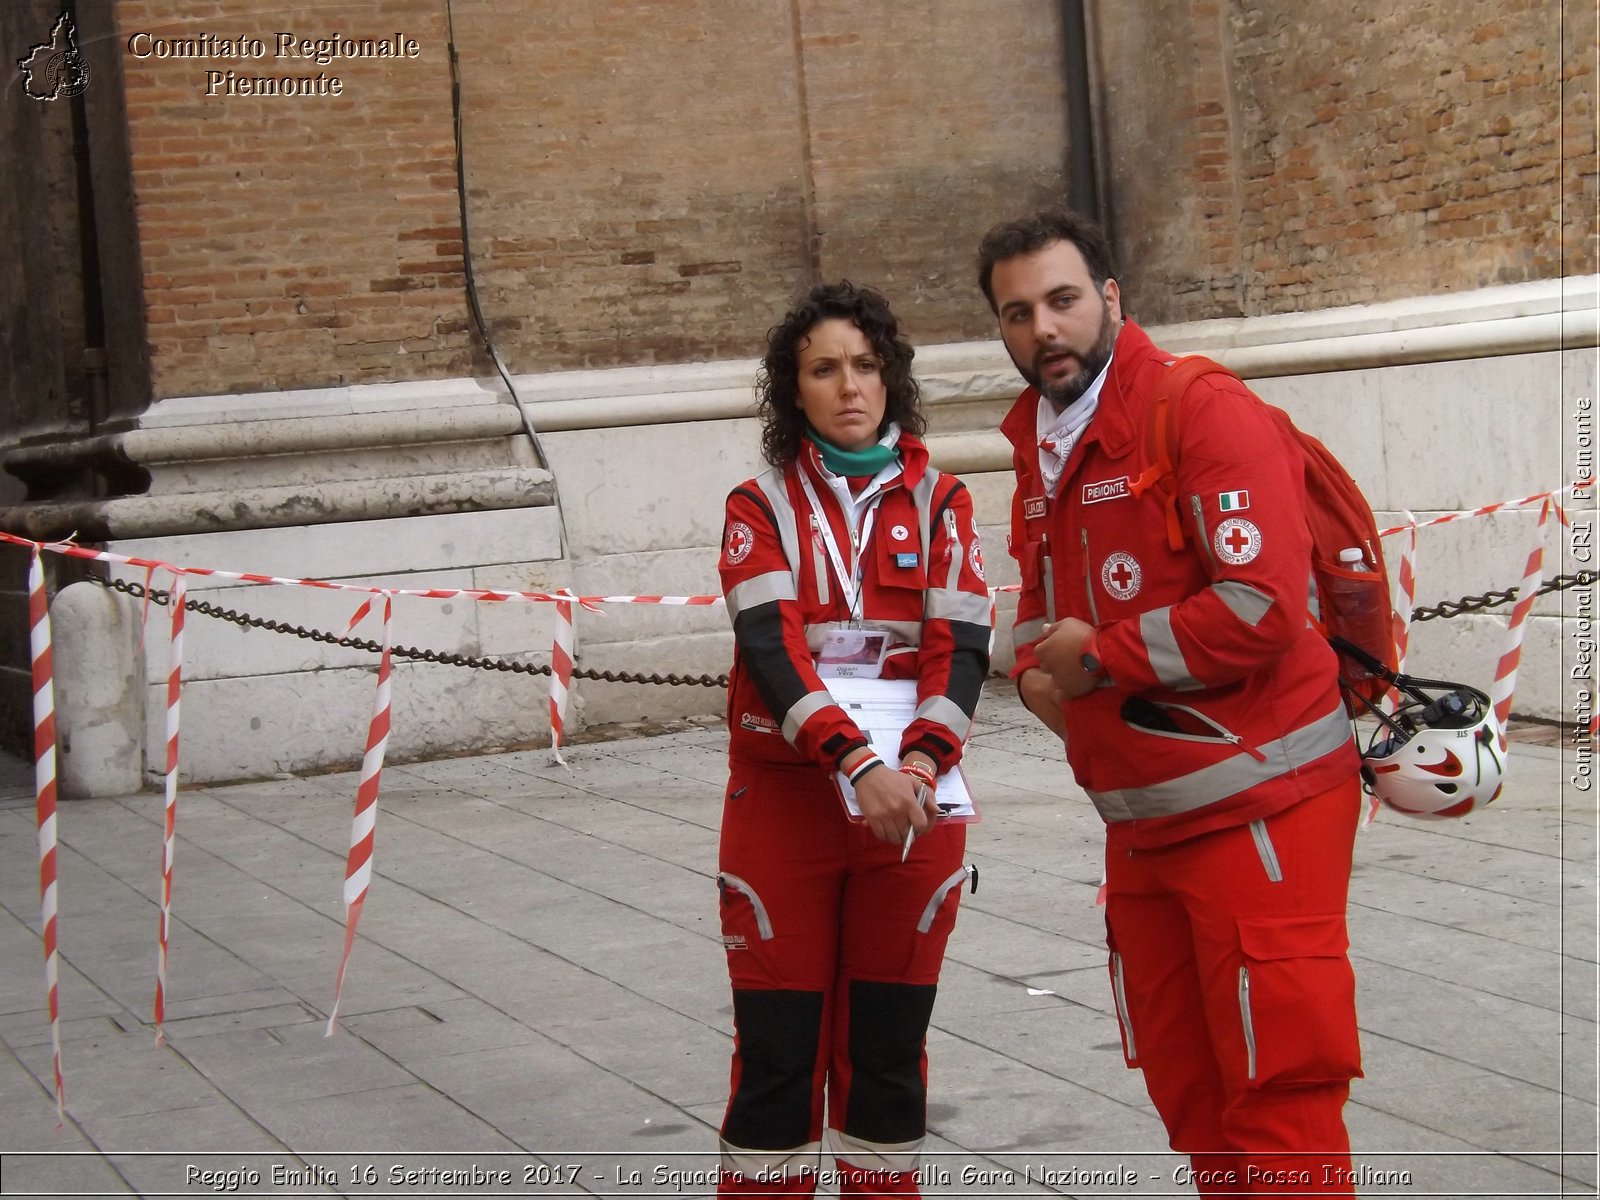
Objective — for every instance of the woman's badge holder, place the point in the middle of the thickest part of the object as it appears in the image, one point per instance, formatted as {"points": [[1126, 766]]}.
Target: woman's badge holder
{"points": [[853, 653]]}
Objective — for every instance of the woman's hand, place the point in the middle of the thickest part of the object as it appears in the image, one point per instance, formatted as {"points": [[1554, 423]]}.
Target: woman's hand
{"points": [[888, 800]]}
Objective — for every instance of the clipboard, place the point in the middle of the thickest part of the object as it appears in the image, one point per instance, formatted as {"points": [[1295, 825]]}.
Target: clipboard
{"points": [[881, 709]]}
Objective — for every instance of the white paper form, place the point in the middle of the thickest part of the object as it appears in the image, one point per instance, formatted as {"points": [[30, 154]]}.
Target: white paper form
{"points": [[882, 708]]}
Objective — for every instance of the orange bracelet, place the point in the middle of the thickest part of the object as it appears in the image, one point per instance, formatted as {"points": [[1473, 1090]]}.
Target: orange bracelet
{"points": [[920, 772]]}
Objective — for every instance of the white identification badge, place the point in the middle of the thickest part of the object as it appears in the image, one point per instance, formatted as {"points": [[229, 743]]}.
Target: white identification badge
{"points": [[852, 653]]}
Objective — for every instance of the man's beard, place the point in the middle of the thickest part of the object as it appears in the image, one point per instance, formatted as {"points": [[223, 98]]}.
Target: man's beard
{"points": [[1094, 361]]}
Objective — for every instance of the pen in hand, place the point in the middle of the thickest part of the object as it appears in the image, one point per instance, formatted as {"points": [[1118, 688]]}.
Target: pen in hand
{"points": [[911, 830]]}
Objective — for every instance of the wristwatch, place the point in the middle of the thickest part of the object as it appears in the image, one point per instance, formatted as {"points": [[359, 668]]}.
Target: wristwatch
{"points": [[1089, 659]]}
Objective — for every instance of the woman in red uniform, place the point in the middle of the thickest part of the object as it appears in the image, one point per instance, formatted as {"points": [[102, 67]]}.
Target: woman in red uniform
{"points": [[850, 555]]}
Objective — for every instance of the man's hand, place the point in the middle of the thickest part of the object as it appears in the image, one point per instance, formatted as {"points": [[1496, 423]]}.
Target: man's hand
{"points": [[1043, 699], [1059, 654]]}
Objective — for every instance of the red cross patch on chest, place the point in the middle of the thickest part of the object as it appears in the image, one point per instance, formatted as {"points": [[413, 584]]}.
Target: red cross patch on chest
{"points": [[1121, 575]]}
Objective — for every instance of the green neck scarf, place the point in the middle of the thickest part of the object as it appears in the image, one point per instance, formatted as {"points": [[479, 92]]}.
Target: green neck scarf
{"points": [[852, 464]]}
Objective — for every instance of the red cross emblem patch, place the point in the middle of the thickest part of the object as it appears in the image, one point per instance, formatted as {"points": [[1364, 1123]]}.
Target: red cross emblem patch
{"points": [[1236, 540], [1121, 575], [741, 540]]}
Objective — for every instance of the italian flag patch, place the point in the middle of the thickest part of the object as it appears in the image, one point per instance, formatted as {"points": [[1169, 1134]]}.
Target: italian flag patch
{"points": [[1233, 501]]}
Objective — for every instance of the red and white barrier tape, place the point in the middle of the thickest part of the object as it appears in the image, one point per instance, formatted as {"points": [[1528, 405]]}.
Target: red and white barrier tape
{"points": [[44, 780], [1489, 509], [486, 595], [1505, 675], [363, 825], [561, 651], [359, 862], [170, 808], [1405, 598]]}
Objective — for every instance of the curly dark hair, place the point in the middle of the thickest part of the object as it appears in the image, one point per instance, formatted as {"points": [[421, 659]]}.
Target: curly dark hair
{"points": [[1011, 239], [783, 425]]}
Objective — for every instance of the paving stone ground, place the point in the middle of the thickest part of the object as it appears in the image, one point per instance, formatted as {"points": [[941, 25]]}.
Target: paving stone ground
{"points": [[537, 1005]]}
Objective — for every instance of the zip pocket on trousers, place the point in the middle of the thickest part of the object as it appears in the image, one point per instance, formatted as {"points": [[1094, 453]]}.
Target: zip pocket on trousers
{"points": [[1268, 852], [943, 890], [1248, 1023], [732, 883], [1119, 996]]}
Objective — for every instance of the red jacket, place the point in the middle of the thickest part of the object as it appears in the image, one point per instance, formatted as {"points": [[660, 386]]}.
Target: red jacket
{"points": [[922, 579], [1222, 704]]}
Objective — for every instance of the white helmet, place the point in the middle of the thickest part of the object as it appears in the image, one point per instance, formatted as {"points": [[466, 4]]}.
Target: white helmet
{"points": [[1436, 756]]}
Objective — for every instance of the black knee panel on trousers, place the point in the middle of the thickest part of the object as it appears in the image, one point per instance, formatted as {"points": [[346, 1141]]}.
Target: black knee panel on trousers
{"points": [[778, 1038], [888, 1099]]}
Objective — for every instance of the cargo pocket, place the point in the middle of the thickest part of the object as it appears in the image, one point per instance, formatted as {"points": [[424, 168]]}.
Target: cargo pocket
{"points": [[1297, 1001], [933, 929], [1119, 997], [746, 933]]}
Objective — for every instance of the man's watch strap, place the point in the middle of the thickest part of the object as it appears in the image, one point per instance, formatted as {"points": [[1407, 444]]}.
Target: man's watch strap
{"points": [[1089, 655]]}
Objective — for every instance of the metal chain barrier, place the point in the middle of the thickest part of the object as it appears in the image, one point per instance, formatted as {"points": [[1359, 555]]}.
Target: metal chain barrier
{"points": [[1445, 608], [1487, 600], [247, 621]]}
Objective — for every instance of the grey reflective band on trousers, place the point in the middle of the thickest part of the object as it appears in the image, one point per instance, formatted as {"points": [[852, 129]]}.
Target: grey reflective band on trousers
{"points": [[955, 881], [1239, 773], [735, 884]]}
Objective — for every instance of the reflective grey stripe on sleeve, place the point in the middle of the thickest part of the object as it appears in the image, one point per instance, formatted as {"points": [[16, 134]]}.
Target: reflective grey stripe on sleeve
{"points": [[947, 713], [1294, 750], [801, 711], [1025, 633], [952, 604], [759, 590], [1243, 601], [1161, 646]]}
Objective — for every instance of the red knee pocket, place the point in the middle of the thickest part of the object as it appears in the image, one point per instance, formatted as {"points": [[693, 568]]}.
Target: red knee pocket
{"points": [[1297, 995]]}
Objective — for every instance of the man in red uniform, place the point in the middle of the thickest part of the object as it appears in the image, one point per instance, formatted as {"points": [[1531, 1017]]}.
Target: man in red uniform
{"points": [[1201, 712]]}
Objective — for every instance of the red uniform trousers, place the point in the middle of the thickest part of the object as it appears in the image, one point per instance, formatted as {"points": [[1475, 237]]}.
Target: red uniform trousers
{"points": [[834, 948], [1236, 996]]}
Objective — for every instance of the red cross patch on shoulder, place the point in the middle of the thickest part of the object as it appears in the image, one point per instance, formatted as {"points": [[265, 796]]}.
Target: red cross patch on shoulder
{"points": [[1236, 540], [741, 540]]}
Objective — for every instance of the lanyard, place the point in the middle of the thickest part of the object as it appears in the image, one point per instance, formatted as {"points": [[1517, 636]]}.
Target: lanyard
{"points": [[821, 527]]}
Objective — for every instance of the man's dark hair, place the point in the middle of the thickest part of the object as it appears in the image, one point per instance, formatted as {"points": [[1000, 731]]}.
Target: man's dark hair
{"points": [[783, 425], [1027, 235]]}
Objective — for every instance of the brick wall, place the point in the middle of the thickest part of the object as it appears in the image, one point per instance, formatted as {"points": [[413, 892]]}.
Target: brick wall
{"points": [[296, 241], [1332, 154], [652, 182], [645, 183]]}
